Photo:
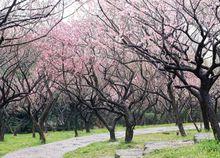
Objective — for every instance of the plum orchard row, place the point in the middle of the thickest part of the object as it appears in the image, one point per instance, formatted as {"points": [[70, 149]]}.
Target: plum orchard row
{"points": [[109, 63]]}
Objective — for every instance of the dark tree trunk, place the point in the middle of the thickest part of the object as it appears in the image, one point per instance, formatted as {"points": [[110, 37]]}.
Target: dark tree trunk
{"points": [[175, 107], [42, 120], [42, 126], [76, 125], [214, 123], [129, 133], [42, 137], [15, 133], [197, 128], [181, 129], [111, 129], [179, 121], [2, 132], [205, 115], [213, 119], [76, 132], [194, 123], [112, 134], [129, 124], [193, 120], [46, 111], [40, 130], [87, 126], [33, 131]]}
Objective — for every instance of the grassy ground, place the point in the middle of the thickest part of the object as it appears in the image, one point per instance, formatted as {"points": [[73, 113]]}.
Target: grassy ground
{"points": [[206, 149], [12, 143], [107, 149]]}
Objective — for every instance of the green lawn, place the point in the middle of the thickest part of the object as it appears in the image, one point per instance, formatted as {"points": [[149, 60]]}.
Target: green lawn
{"points": [[206, 149], [13, 143], [107, 149]]}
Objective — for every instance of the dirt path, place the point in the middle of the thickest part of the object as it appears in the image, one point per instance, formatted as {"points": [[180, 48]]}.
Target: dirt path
{"points": [[58, 149]]}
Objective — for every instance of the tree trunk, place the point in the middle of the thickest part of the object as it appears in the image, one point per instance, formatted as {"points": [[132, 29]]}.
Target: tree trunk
{"points": [[112, 134], [76, 132], [87, 126], [76, 123], [213, 119], [214, 123], [2, 132], [42, 136], [175, 107], [11, 130], [48, 106], [194, 123], [205, 115], [179, 121], [33, 131], [15, 133], [41, 133], [129, 133], [111, 129], [129, 123], [42, 126], [181, 129]]}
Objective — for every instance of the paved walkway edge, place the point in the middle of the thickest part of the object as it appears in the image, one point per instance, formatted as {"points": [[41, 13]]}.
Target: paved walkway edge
{"points": [[58, 149]]}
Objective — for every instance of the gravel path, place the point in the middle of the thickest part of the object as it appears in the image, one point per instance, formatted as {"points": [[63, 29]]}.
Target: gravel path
{"points": [[58, 149]]}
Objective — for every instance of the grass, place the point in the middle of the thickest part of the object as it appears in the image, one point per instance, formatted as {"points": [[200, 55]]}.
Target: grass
{"points": [[206, 149], [20, 141], [107, 149], [13, 143]]}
